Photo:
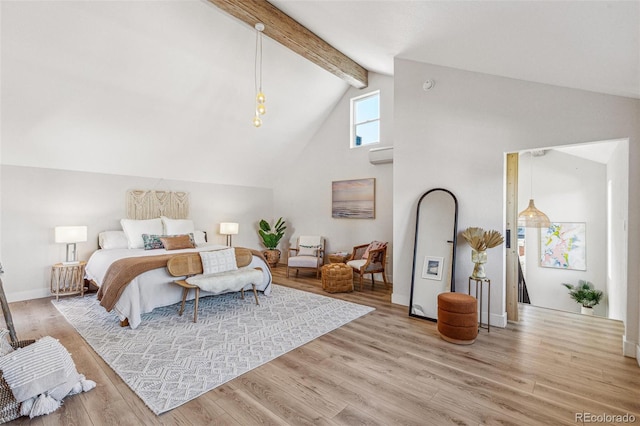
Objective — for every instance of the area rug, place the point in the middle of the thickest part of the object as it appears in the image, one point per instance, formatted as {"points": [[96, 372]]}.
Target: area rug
{"points": [[169, 360]]}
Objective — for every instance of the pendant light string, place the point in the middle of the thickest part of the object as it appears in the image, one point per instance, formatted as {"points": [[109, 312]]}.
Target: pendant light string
{"points": [[258, 63], [531, 217], [531, 175], [257, 82]]}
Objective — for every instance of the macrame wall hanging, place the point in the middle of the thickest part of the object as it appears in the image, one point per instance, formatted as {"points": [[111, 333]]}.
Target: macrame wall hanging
{"points": [[151, 204]]}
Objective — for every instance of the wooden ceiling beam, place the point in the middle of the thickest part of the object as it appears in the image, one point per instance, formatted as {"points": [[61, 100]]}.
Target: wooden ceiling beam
{"points": [[288, 32]]}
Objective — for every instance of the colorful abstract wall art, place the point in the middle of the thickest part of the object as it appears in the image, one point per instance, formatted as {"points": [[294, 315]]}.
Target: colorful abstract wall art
{"points": [[563, 246]]}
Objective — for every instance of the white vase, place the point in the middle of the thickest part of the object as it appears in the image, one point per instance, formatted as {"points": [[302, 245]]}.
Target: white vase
{"points": [[586, 311], [479, 258]]}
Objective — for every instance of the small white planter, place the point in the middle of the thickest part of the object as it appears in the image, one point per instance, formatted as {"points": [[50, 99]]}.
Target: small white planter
{"points": [[586, 311]]}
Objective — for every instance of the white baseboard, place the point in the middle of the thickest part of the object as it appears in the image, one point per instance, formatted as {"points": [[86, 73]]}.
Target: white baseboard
{"points": [[638, 355], [499, 320], [18, 296], [400, 299], [630, 348]]}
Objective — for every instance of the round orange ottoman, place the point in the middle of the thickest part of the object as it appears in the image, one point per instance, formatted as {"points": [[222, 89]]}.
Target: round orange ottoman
{"points": [[458, 318]]}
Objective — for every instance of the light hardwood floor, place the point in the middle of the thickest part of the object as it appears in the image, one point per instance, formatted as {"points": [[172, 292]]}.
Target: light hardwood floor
{"points": [[383, 369]]}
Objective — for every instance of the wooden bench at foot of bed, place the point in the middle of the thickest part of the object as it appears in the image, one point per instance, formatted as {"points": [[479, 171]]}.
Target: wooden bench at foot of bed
{"points": [[190, 265]]}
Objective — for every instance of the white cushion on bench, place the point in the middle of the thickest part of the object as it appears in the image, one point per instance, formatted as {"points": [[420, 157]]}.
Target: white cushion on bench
{"points": [[224, 282]]}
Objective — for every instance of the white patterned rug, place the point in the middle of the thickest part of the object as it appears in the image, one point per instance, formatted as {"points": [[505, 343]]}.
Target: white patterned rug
{"points": [[169, 360]]}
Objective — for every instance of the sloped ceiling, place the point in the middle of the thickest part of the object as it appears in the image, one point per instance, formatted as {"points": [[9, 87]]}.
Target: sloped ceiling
{"points": [[165, 88], [157, 89], [589, 45]]}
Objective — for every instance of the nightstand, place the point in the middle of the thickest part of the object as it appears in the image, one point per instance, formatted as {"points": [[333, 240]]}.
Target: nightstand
{"points": [[67, 279]]}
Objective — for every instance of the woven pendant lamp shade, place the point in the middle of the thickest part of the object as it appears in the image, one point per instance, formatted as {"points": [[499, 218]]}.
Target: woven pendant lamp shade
{"points": [[531, 217]]}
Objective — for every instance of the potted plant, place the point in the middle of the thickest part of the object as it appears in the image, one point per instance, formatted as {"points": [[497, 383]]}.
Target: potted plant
{"points": [[271, 236], [585, 294]]}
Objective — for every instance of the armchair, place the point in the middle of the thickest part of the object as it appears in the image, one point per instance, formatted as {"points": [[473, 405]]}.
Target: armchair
{"points": [[307, 254], [369, 259]]}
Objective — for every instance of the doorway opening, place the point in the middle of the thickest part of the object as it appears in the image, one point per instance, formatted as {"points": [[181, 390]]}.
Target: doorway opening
{"points": [[583, 188]]}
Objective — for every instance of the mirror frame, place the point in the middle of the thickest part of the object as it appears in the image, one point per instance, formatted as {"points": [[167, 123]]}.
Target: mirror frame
{"points": [[415, 247]]}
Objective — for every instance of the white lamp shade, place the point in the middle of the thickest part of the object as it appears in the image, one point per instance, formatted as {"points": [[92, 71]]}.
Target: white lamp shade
{"points": [[229, 228], [70, 234]]}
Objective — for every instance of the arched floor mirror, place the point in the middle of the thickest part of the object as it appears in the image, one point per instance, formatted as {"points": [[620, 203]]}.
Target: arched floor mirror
{"points": [[434, 252]]}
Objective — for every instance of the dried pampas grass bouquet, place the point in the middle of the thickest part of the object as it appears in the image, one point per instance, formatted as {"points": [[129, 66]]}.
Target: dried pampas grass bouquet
{"points": [[480, 240]]}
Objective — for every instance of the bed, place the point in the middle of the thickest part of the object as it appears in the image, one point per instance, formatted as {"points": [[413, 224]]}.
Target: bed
{"points": [[154, 288]]}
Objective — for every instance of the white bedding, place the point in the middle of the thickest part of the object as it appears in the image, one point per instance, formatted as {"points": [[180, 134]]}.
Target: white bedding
{"points": [[154, 288]]}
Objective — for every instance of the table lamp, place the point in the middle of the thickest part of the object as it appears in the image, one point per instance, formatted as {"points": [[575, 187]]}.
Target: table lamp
{"points": [[71, 235], [229, 229]]}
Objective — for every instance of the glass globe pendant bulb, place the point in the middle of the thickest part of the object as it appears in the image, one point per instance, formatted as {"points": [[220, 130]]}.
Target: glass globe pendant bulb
{"points": [[262, 110], [260, 98], [257, 121]]}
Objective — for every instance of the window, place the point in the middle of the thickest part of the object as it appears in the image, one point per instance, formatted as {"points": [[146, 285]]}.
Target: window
{"points": [[365, 119]]}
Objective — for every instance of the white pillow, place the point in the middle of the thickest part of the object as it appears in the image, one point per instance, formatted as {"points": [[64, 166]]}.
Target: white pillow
{"points": [[135, 228], [308, 250], [113, 240], [38, 368], [200, 238], [218, 261], [177, 226]]}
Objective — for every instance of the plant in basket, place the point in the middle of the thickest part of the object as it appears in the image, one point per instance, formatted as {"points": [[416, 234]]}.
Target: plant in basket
{"points": [[271, 236]]}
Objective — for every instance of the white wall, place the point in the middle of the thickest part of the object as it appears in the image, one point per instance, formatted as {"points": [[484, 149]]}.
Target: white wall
{"points": [[617, 172], [35, 200], [303, 192], [568, 189], [456, 135]]}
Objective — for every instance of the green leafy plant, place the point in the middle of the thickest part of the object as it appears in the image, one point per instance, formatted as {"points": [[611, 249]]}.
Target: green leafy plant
{"points": [[584, 293], [271, 236]]}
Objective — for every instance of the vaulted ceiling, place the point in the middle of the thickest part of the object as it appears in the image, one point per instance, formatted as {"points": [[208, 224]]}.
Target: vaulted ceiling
{"points": [[590, 45], [117, 84]]}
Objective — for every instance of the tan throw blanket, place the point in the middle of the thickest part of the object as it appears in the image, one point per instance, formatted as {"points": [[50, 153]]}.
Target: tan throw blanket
{"points": [[122, 271]]}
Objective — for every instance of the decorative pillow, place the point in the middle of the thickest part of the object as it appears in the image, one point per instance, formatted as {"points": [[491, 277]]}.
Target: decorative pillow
{"points": [[135, 228], [152, 242], [177, 226], [5, 346], [113, 240], [177, 242], [304, 250], [200, 238], [373, 246], [28, 375], [218, 261]]}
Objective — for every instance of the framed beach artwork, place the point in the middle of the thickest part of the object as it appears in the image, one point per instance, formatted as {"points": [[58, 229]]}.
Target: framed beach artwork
{"points": [[563, 245], [353, 199], [432, 268]]}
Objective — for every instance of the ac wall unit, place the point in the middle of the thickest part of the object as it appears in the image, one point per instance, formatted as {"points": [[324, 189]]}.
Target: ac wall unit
{"points": [[381, 155]]}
